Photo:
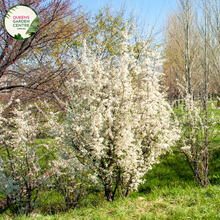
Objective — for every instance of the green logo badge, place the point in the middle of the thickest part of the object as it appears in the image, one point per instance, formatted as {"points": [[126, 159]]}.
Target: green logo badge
{"points": [[21, 22]]}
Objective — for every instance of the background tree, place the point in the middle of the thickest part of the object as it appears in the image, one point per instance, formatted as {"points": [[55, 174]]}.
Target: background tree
{"points": [[106, 24], [182, 47], [198, 133], [212, 10], [27, 64], [173, 67], [191, 53]]}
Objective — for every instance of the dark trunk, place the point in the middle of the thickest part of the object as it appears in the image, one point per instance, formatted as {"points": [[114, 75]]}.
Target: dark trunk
{"points": [[128, 192], [108, 193]]}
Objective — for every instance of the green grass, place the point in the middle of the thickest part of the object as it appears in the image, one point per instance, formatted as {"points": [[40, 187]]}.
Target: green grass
{"points": [[175, 202], [170, 192]]}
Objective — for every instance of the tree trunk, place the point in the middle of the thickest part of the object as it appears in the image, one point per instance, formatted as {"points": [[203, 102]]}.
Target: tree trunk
{"points": [[218, 102], [108, 193], [128, 192]]}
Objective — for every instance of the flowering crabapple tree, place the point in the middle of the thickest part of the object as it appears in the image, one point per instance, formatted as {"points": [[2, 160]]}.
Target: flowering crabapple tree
{"points": [[30, 166], [72, 179], [25, 166], [197, 138], [32, 169], [117, 121]]}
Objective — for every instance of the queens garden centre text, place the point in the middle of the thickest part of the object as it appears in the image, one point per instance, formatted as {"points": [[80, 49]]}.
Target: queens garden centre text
{"points": [[21, 21]]}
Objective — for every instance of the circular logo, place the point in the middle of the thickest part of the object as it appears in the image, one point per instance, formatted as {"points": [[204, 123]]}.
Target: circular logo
{"points": [[21, 22]]}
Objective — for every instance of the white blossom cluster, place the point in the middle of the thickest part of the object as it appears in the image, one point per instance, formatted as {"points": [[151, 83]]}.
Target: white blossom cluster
{"points": [[198, 132], [25, 166], [195, 129], [30, 165], [16, 139], [118, 122]]}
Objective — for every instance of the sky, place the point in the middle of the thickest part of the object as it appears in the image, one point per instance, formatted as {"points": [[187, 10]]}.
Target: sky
{"points": [[152, 12]]}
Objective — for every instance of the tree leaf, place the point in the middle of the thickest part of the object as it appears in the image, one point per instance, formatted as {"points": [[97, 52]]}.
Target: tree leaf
{"points": [[35, 22], [33, 27], [32, 30], [18, 36]]}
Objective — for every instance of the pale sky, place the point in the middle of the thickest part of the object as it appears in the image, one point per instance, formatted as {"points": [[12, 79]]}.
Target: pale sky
{"points": [[152, 12]]}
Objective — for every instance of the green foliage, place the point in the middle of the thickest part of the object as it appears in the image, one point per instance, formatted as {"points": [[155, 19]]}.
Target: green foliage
{"points": [[109, 26], [18, 37], [33, 27]]}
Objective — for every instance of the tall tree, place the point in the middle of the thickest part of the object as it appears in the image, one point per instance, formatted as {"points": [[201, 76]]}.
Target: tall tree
{"points": [[59, 21], [182, 45], [196, 45], [213, 22]]}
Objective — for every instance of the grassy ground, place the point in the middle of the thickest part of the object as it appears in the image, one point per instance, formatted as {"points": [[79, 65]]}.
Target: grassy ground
{"points": [[175, 202], [170, 192]]}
